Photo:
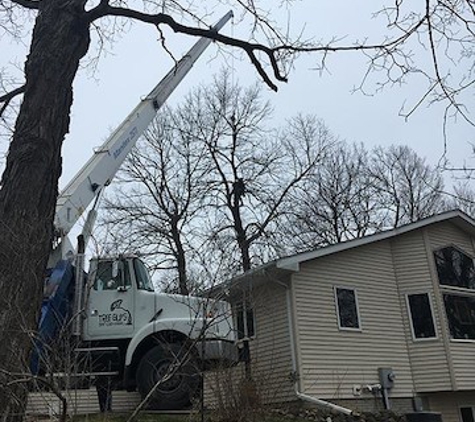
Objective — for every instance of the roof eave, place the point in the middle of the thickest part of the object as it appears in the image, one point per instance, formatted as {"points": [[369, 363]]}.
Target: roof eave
{"points": [[457, 217]]}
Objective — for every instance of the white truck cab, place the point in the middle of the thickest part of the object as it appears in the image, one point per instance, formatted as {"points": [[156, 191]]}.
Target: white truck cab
{"points": [[122, 304], [128, 326]]}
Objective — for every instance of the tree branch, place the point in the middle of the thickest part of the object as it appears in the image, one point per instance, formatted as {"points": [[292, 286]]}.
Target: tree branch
{"points": [[8, 97], [29, 4], [21, 377], [104, 9]]}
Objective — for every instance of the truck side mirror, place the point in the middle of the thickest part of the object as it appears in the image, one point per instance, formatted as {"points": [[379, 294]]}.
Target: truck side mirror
{"points": [[115, 268], [118, 274]]}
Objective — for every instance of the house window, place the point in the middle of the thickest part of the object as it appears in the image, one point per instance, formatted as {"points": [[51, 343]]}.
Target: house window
{"points": [[347, 308], [422, 319], [461, 316], [455, 268], [456, 272], [466, 414], [245, 323]]}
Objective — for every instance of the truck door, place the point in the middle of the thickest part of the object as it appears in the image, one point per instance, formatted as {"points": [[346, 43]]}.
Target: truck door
{"points": [[111, 301]]}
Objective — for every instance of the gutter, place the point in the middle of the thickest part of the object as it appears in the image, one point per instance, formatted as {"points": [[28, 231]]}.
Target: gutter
{"points": [[298, 393]]}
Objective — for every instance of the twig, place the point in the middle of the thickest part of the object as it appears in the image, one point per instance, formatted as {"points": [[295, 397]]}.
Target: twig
{"points": [[9, 96]]}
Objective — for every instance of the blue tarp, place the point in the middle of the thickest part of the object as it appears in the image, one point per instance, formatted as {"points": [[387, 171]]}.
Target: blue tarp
{"points": [[55, 309]]}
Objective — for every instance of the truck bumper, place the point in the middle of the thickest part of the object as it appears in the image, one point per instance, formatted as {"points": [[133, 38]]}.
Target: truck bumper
{"points": [[218, 350]]}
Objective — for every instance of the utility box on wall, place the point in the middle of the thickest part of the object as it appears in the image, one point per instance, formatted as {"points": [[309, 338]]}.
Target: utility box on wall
{"points": [[386, 378]]}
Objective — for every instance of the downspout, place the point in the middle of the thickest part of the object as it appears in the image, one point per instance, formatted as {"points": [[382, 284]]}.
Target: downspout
{"points": [[293, 352]]}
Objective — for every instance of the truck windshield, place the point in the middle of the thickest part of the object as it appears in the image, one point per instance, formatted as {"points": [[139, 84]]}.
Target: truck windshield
{"points": [[141, 273], [105, 279]]}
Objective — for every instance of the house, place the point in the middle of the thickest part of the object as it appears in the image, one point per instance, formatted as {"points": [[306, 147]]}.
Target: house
{"points": [[387, 320]]}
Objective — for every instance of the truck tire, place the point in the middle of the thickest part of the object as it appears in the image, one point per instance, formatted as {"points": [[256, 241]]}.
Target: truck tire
{"points": [[176, 392]]}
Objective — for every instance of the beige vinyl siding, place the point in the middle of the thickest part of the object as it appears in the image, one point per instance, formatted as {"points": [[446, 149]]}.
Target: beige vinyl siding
{"points": [[80, 402], [270, 349], [445, 234], [428, 358], [271, 360], [223, 387], [462, 353], [332, 361], [463, 357], [449, 404]]}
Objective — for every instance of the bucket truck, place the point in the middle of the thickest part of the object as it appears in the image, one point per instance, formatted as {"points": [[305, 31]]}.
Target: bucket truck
{"points": [[116, 325]]}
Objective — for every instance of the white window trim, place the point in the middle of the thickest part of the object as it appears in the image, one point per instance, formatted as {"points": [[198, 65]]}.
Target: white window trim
{"points": [[244, 311], [455, 246], [455, 291], [337, 309], [462, 340], [447, 286], [431, 304], [462, 294]]}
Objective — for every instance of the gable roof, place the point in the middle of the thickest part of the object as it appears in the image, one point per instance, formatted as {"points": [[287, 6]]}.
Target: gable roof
{"points": [[292, 263], [456, 217]]}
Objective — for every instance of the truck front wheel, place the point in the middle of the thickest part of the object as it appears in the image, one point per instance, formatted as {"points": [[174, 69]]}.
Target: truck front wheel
{"points": [[172, 375]]}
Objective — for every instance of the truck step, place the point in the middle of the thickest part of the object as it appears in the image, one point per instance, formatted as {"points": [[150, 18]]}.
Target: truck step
{"points": [[97, 349], [86, 374]]}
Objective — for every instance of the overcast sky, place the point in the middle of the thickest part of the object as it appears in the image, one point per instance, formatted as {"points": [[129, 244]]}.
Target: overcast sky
{"points": [[137, 63]]}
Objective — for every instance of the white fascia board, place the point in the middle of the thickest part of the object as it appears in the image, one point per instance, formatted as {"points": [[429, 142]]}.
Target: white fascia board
{"points": [[288, 264]]}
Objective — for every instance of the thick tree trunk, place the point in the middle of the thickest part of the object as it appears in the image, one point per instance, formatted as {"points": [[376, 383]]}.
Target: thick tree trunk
{"points": [[180, 257], [241, 237], [30, 182]]}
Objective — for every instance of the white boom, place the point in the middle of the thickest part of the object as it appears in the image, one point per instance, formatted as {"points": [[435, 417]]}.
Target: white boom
{"points": [[104, 164]]}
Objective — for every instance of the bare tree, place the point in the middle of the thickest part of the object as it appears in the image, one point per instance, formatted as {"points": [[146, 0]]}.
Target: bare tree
{"points": [[463, 198], [238, 118], [354, 193], [61, 37], [157, 198], [336, 203], [430, 42], [254, 170], [408, 189], [231, 189]]}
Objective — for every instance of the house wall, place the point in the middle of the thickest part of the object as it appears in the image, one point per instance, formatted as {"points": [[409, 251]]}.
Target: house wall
{"points": [[375, 404], [80, 402], [270, 349], [449, 404], [271, 356], [428, 357], [461, 352], [333, 361]]}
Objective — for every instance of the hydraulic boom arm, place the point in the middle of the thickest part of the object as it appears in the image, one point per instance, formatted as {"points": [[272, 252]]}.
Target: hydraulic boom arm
{"points": [[104, 164]]}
